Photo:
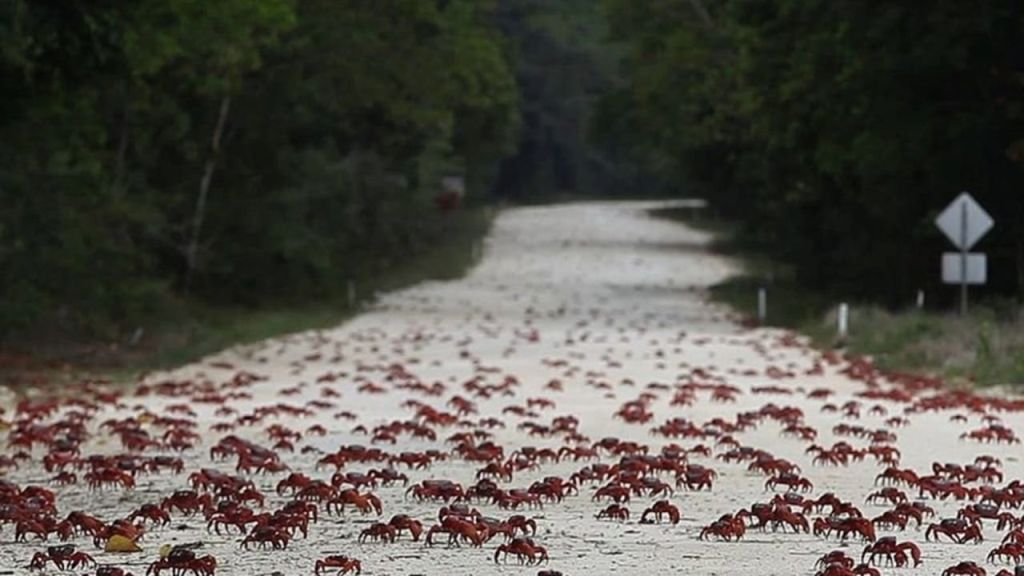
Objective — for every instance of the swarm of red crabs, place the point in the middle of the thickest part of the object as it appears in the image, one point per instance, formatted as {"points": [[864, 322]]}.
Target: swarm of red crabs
{"points": [[260, 477]]}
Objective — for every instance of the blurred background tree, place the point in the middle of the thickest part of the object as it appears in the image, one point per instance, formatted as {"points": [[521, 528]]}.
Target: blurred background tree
{"points": [[834, 132], [154, 152], [248, 151]]}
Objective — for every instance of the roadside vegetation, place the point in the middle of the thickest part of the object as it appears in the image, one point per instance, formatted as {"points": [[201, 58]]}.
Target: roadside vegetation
{"points": [[191, 329], [986, 347], [829, 134], [832, 132], [178, 176]]}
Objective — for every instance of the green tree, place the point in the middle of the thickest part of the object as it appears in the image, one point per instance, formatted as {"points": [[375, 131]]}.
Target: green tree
{"points": [[154, 146], [833, 131]]}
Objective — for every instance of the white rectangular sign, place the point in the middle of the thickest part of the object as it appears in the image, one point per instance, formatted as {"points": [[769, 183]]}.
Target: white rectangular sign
{"points": [[952, 266]]}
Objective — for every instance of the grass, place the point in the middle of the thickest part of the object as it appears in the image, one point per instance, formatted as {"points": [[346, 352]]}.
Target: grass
{"points": [[986, 347], [200, 330]]}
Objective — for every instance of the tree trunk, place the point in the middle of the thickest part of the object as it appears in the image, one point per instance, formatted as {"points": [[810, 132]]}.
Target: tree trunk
{"points": [[204, 192], [120, 161], [702, 11]]}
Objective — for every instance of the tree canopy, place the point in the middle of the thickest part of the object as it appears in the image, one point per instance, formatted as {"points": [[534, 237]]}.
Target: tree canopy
{"points": [[275, 146], [249, 151], [834, 131]]}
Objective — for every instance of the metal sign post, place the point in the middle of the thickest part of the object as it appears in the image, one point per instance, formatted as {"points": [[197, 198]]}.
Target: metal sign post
{"points": [[964, 222], [963, 258]]}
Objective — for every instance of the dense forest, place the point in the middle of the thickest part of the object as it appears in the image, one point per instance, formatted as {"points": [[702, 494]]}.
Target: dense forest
{"points": [[263, 151], [834, 131], [259, 151]]}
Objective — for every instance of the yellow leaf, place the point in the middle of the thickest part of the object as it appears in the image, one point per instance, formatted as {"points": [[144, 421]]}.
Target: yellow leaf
{"points": [[118, 543]]}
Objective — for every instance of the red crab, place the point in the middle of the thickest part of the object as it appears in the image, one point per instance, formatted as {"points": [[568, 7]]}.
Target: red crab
{"points": [[151, 512], [63, 557], [659, 509], [343, 563], [379, 531], [403, 522], [614, 512], [728, 527], [965, 569], [524, 549], [180, 560]]}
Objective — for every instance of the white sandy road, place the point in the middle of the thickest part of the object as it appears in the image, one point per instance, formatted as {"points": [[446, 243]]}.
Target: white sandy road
{"points": [[601, 297]]}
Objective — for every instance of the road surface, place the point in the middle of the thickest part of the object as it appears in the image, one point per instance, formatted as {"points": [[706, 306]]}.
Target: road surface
{"points": [[610, 304]]}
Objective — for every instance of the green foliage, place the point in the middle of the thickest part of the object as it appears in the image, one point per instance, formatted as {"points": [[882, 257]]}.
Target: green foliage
{"points": [[834, 131], [344, 116], [200, 329], [985, 347], [214, 43], [982, 347], [564, 65]]}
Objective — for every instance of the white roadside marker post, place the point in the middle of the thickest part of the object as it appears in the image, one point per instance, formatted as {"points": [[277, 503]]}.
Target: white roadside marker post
{"points": [[762, 305], [844, 320]]}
